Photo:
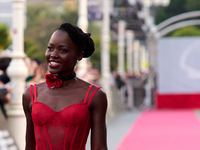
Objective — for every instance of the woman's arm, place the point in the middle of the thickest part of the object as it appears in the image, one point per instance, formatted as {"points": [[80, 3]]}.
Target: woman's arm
{"points": [[30, 139], [98, 121]]}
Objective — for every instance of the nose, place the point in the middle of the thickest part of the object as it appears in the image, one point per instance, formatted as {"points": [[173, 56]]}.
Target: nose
{"points": [[54, 53]]}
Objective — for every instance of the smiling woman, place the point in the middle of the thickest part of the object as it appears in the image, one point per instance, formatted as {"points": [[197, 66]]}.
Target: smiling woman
{"points": [[61, 112]]}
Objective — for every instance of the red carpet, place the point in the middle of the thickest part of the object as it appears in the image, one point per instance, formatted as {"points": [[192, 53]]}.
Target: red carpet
{"points": [[163, 130]]}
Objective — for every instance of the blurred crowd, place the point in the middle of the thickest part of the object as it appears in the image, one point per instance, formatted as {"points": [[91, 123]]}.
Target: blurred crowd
{"points": [[36, 71], [5, 88], [134, 89]]}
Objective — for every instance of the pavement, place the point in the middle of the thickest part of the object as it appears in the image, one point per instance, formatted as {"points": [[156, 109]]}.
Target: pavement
{"points": [[3, 124], [6, 140], [119, 127]]}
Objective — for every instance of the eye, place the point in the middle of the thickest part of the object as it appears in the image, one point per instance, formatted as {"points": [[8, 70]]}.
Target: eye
{"points": [[49, 48], [63, 50]]}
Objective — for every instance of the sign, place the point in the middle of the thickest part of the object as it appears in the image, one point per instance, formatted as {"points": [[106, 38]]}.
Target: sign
{"points": [[178, 73], [179, 69]]}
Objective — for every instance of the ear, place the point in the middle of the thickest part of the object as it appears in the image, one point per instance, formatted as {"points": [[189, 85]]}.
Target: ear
{"points": [[80, 56]]}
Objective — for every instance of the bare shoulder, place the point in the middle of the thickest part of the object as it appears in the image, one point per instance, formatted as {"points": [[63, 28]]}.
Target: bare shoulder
{"points": [[26, 96], [27, 91], [100, 92], [26, 99], [99, 99]]}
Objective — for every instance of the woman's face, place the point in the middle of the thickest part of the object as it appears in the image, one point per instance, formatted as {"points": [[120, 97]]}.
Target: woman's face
{"points": [[62, 54]]}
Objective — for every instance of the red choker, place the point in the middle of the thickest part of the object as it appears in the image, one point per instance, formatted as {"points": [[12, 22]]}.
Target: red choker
{"points": [[52, 81]]}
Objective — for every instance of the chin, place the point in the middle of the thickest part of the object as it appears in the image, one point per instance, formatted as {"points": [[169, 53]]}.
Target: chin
{"points": [[52, 71]]}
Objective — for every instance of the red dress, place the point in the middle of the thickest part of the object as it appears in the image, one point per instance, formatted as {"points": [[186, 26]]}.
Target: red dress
{"points": [[67, 129]]}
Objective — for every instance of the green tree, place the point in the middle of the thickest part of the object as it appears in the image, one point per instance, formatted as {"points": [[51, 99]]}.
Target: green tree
{"points": [[113, 55], [177, 7], [5, 40], [96, 57], [192, 5], [30, 48], [187, 31], [42, 21]]}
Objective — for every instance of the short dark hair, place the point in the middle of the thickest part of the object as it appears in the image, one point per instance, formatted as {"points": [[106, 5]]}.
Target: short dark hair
{"points": [[81, 39], [4, 63], [38, 61]]}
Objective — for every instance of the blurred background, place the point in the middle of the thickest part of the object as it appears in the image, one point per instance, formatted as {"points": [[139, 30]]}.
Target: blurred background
{"points": [[146, 57]]}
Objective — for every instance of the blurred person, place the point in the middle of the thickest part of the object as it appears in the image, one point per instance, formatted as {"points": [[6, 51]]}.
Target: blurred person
{"points": [[139, 90], [37, 71], [5, 97], [120, 83], [97, 76], [130, 92], [93, 76], [5, 87], [28, 62], [60, 112], [146, 91], [4, 63]]}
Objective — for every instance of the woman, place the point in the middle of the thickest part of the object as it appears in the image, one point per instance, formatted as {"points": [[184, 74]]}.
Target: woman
{"points": [[60, 112]]}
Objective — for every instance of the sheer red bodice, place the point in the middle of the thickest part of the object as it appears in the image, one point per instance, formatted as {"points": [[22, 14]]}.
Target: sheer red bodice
{"points": [[67, 129]]}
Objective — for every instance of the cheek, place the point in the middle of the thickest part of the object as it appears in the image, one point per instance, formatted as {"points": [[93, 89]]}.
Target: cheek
{"points": [[69, 62], [46, 55]]}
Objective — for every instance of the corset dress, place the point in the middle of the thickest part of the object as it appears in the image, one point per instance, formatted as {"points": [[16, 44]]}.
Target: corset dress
{"points": [[67, 129]]}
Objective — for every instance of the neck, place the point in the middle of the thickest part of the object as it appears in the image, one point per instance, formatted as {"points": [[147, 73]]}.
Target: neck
{"points": [[69, 77]]}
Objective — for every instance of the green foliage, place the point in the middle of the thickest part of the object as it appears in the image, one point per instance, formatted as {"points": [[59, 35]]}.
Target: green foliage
{"points": [[5, 40], [192, 5], [42, 21], [186, 31], [95, 30], [31, 49], [96, 57], [177, 7], [69, 15], [113, 56], [161, 15]]}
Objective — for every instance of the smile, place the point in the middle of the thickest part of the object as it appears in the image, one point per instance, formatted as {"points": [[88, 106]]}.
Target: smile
{"points": [[54, 64]]}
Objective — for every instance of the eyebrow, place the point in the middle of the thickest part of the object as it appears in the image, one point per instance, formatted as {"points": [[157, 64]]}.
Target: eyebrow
{"points": [[59, 45]]}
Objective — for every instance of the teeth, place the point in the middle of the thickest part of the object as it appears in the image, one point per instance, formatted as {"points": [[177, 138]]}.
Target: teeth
{"points": [[54, 63]]}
